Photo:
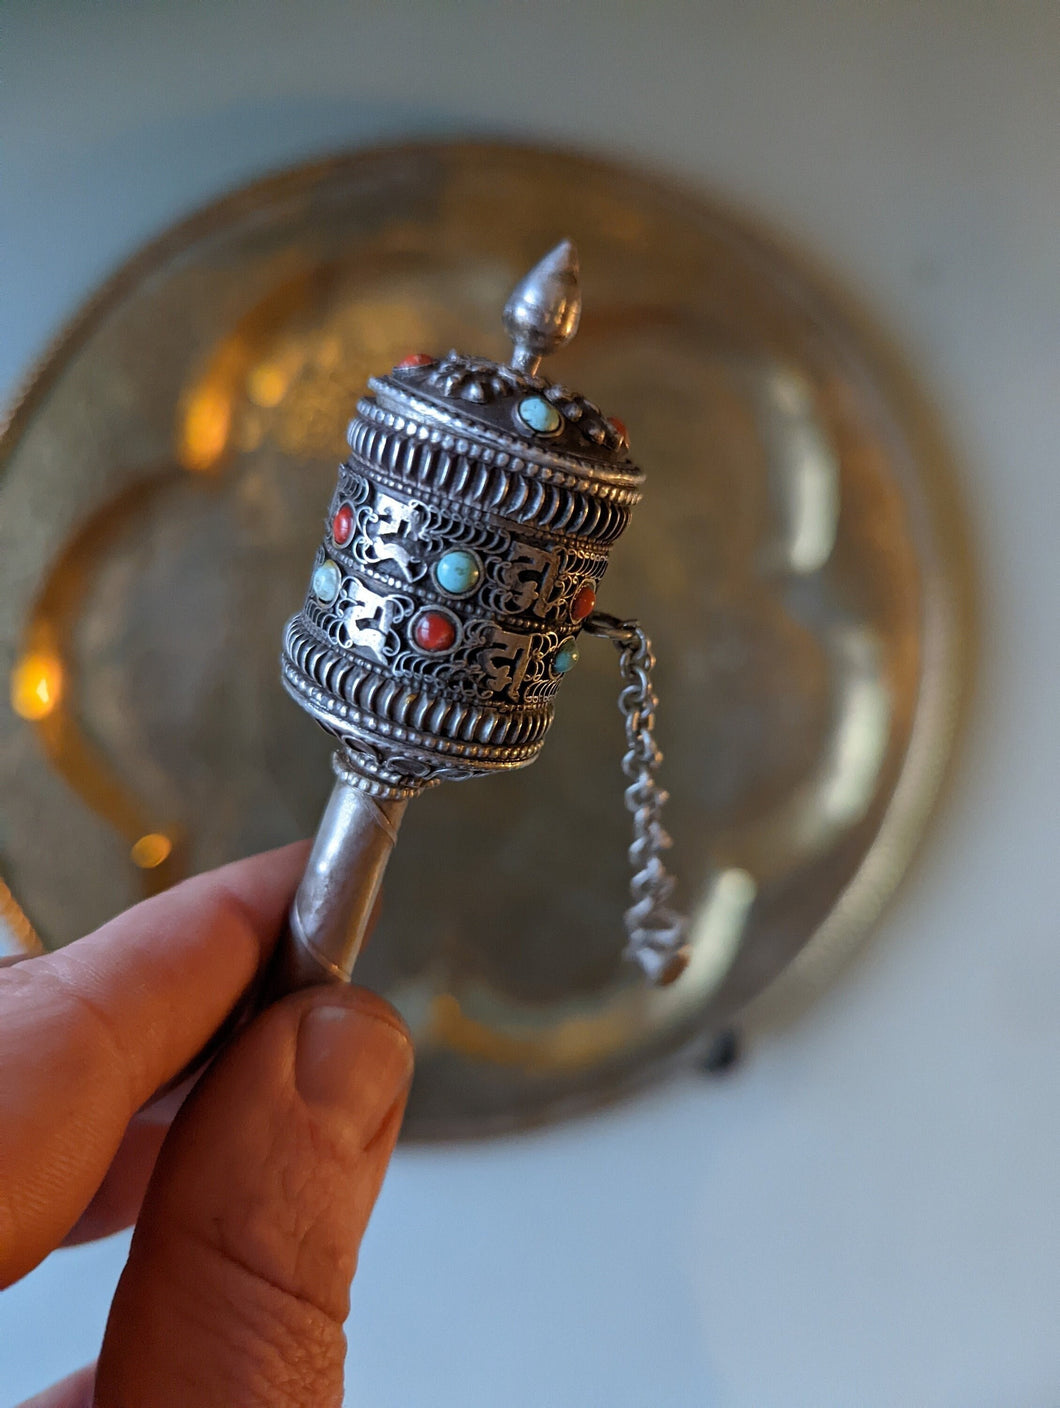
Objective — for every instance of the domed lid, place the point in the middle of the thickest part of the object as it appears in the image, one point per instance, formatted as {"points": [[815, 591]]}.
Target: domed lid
{"points": [[509, 404]]}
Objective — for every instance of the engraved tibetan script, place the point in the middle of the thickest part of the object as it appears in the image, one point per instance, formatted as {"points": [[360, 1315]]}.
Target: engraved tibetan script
{"points": [[529, 576], [369, 618], [504, 660], [392, 534]]}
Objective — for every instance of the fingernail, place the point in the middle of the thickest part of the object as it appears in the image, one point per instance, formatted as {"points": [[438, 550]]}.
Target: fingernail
{"points": [[352, 1062]]}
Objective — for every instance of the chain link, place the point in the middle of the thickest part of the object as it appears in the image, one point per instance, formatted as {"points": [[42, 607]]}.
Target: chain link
{"points": [[656, 933]]}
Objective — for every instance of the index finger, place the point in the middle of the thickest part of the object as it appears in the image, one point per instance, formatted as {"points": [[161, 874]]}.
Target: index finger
{"points": [[88, 1033]]}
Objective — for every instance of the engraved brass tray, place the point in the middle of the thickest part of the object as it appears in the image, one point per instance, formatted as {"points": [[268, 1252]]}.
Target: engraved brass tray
{"points": [[797, 559]]}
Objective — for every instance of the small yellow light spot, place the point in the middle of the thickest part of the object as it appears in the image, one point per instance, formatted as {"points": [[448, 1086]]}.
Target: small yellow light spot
{"points": [[151, 850], [204, 433], [267, 384], [36, 685]]}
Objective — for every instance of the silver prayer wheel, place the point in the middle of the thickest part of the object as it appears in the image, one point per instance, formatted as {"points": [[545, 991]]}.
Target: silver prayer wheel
{"points": [[464, 545]]}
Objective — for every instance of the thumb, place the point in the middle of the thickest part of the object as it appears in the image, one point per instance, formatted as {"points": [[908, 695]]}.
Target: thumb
{"points": [[237, 1284]]}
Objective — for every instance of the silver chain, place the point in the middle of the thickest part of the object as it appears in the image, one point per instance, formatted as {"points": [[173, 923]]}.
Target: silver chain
{"points": [[656, 933]]}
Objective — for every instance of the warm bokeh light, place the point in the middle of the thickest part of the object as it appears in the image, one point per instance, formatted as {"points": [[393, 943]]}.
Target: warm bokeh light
{"points": [[17, 934], [205, 427], [36, 685], [151, 850], [268, 383]]}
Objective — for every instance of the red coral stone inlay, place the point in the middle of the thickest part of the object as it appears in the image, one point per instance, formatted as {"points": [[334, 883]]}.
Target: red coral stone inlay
{"points": [[619, 427], [434, 631], [414, 359], [583, 603], [342, 525]]}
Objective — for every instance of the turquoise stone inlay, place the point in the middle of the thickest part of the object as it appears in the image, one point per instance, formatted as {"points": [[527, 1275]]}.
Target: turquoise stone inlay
{"points": [[458, 572], [566, 656], [540, 415], [326, 582]]}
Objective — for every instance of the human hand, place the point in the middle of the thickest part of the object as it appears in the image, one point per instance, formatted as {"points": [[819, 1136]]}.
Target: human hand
{"points": [[250, 1209]]}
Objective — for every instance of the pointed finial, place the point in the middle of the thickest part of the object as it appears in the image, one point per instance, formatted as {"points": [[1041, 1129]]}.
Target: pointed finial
{"points": [[543, 311]]}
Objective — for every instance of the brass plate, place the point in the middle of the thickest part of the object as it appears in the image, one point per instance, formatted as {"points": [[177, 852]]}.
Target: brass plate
{"points": [[795, 560]]}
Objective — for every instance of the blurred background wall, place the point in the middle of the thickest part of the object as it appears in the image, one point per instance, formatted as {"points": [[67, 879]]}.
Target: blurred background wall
{"points": [[866, 1212]]}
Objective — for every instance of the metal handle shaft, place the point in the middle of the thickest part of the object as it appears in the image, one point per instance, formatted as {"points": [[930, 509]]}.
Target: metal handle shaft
{"points": [[334, 902]]}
